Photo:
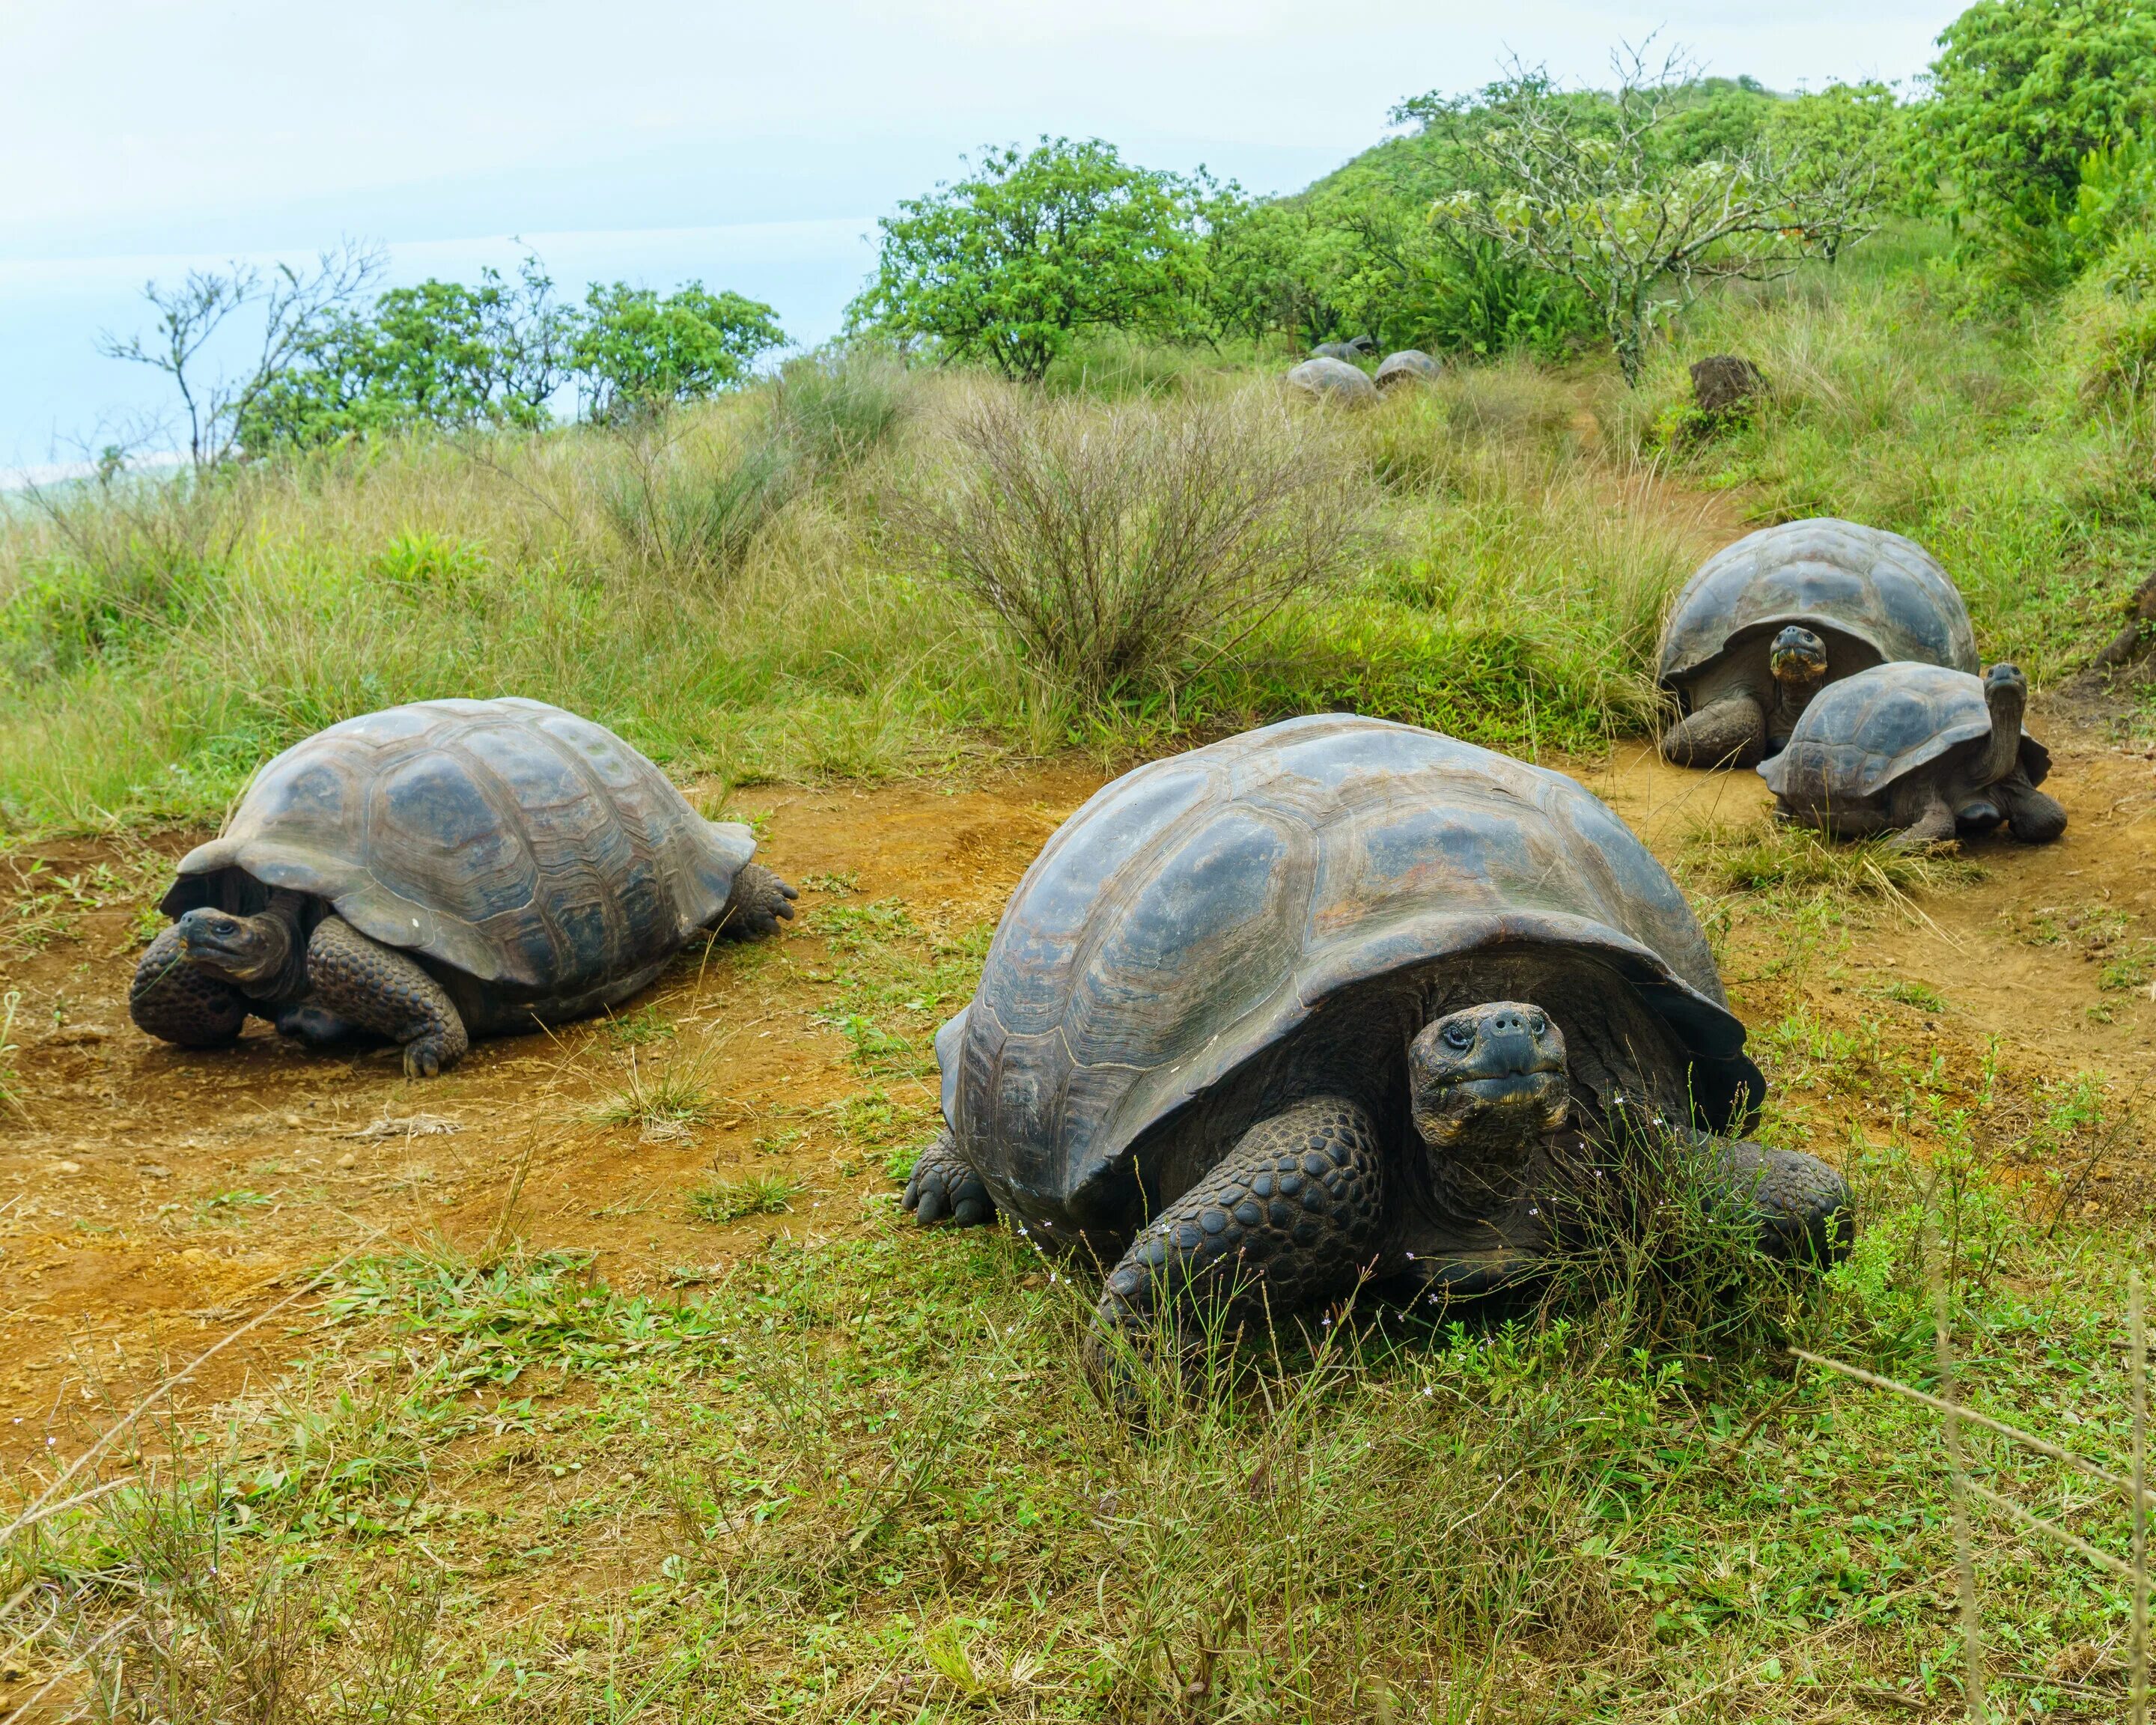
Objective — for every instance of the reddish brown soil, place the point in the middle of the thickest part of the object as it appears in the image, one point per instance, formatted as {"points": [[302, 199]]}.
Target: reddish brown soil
{"points": [[152, 1200]]}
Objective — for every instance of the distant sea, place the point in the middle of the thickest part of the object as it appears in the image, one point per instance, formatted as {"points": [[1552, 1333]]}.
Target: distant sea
{"points": [[60, 400]]}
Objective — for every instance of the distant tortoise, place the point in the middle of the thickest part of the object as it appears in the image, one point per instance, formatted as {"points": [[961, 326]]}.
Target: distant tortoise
{"points": [[1333, 380], [1769, 621], [1410, 365], [1919, 751], [440, 871], [1334, 996], [1354, 348]]}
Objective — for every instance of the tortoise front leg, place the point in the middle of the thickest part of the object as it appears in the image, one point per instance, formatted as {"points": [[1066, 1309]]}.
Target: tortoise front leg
{"points": [[1801, 1206], [2034, 816], [175, 1001], [1287, 1219], [1729, 732], [379, 988]]}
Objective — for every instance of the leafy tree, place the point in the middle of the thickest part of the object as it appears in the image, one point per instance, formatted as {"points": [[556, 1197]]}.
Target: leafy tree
{"points": [[2024, 89], [441, 354], [635, 350], [1853, 123], [1010, 264], [1601, 198]]}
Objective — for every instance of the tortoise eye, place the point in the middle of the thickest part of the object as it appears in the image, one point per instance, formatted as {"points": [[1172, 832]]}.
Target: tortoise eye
{"points": [[1536, 1024], [1458, 1036]]}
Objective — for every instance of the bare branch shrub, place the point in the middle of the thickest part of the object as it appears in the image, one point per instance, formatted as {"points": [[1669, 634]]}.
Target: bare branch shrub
{"points": [[1113, 540]]}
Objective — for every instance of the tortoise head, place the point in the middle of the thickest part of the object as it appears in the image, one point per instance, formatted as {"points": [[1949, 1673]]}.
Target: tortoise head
{"points": [[240, 949], [1797, 657], [1487, 1084]]}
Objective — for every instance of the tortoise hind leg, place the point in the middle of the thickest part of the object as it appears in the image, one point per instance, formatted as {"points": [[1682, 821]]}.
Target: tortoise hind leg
{"points": [[1729, 732], [760, 901], [1288, 1218], [378, 989], [944, 1184]]}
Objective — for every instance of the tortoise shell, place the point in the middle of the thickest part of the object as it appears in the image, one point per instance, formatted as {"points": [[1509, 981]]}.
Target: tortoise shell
{"points": [[527, 848], [1333, 380], [1861, 736], [1409, 365], [1884, 590], [1202, 909]]}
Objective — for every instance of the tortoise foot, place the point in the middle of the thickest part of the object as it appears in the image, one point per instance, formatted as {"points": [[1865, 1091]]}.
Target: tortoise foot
{"points": [[944, 1184]]}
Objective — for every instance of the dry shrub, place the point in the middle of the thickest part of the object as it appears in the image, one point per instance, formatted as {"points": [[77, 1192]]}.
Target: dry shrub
{"points": [[1113, 540]]}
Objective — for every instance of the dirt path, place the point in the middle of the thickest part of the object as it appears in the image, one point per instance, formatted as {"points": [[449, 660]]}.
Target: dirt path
{"points": [[151, 1200]]}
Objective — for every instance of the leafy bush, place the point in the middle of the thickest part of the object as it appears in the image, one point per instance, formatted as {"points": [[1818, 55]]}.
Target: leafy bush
{"points": [[1009, 264], [440, 354], [1111, 540], [2024, 89]]}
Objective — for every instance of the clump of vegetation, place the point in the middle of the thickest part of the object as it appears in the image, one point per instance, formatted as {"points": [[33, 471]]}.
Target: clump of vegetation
{"points": [[1771, 855], [665, 1102], [1115, 542], [723, 1199]]}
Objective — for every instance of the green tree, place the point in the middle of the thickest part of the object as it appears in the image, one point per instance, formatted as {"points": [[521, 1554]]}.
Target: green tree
{"points": [[440, 354], [1599, 196], [1011, 263], [2024, 89], [635, 350], [1864, 123]]}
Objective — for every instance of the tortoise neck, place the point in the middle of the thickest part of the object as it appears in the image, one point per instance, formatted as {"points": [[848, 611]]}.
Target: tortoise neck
{"points": [[2008, 700], [283, 925]]}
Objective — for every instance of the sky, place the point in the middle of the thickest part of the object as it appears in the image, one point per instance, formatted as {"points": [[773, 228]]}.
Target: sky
{"points": [[655, 141]]}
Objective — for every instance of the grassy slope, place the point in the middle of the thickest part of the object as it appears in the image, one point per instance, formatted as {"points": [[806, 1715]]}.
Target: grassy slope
{"points": [[862, 1480], [153, 648]]}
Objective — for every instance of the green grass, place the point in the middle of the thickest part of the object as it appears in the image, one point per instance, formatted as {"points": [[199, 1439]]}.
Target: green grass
{"points": [[864, 1478], [721, 1199]]}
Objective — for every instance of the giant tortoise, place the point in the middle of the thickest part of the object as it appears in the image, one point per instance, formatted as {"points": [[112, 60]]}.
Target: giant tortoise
{"points": [[1767, 622], [1919, 751], [439, 872], [1334, 998]]}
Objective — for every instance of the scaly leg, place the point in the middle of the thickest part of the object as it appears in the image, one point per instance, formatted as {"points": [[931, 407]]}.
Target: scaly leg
{"points": [[379, 988], [1287, 1219], [944, 1184], [176, 1002], [760, 899], [1934, 825], [1802, 1204], [2035, 818], [1729, 732]]}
